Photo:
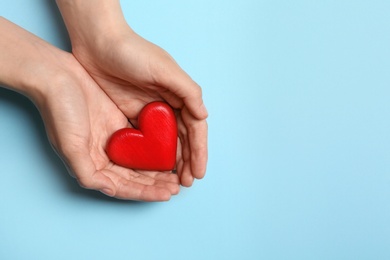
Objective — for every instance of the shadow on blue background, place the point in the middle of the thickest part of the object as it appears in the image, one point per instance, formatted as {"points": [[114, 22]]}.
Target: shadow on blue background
{"points": [[56, 19]]}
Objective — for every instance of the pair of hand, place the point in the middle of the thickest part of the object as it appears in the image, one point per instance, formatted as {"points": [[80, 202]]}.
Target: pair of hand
{"points": [[130, 72], [86, 96]]}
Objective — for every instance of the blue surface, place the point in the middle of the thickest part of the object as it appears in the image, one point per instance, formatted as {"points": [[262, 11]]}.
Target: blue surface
{"points": [[298, 94]]}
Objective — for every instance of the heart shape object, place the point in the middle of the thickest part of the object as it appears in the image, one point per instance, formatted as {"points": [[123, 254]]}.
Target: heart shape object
{"points": [[152, 146]]}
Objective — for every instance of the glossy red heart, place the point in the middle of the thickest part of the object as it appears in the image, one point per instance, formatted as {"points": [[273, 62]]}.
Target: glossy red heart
{"points": [[150, 147]]}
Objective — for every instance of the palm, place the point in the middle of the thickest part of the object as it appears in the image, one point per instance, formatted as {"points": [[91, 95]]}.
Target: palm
{"points": [[131, 99]]}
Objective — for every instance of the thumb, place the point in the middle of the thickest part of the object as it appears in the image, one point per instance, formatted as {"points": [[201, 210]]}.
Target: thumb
{"points": [[181, 84]]}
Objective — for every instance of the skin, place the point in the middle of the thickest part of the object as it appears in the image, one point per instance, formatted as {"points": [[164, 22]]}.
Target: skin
{"points": [[134, 72], [79, 116]]}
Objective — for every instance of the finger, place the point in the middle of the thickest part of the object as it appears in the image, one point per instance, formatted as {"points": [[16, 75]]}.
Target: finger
{"points": [[186, 178], [158, 179], [136, 191], [172, 99], [197, 137], [185, 88], [162, 176], [179, 159], [185, 175], [129, 189], [147, 177]]}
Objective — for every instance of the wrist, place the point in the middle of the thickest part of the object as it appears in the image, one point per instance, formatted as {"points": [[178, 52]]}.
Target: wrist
{"points": [[88, 20], [17, 60], [28, 64], [46, 77]]}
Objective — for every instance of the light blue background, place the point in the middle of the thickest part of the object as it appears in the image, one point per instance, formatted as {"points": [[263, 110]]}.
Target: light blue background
{"points": [[298, 95]]}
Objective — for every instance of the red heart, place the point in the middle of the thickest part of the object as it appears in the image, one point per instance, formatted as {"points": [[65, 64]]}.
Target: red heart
{"points": [[153, 146]]}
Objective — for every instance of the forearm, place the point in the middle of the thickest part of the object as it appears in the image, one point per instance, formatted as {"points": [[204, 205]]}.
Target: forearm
{"points": [[16, 57], [27, 63], [88, 21]]}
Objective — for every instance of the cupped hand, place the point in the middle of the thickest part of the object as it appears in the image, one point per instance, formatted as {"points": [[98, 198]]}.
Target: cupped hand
{"points": [[79, 118], [134, 72]]}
